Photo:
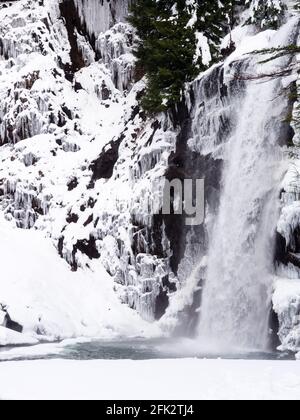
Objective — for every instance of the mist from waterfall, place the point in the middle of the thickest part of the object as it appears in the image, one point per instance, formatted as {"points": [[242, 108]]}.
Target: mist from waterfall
{"points": [[236, 298]]}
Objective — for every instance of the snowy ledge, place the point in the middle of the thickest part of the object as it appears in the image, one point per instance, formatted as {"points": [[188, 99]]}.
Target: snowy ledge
{"points": [[12, 338]]}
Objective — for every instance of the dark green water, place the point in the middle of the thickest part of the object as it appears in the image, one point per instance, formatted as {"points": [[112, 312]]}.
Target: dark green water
{"points": [[136, 349]]}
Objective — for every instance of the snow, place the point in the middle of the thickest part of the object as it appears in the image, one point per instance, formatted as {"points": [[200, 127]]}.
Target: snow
{"points": [[202, 49], [289, 220], [187, 379], [8, 337], [42, 294]]}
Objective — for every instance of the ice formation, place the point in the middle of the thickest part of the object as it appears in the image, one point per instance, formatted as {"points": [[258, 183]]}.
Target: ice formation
{"points": [[100, 15]]}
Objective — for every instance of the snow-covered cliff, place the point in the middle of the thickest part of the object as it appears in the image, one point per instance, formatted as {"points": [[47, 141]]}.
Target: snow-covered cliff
{"points": [[81, 165], [80, 160]]}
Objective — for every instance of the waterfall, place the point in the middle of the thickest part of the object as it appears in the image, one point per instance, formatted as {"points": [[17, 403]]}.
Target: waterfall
{"points": [[237, 295]]}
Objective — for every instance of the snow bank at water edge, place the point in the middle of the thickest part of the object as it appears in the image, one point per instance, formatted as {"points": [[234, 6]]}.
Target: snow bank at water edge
{"points": [[40, 293], [9, 337]]}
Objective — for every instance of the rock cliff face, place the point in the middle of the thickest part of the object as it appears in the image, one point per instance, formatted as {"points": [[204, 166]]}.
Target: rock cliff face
{"points": [[82, 160], [82, 163]]}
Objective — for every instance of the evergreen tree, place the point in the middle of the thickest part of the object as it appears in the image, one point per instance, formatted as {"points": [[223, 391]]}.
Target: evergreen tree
{"points": [[266, 13], [177, 40], [165, 51], [215, 19]]}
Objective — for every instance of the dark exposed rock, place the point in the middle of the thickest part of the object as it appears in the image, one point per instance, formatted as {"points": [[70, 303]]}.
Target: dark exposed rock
{"points": [[162, 303], [280, 255], [105, 92], [274, 328], [77, 86], [60, 246], [284, 254], [91, 202], [73, 23], [103, 166], [12, 325], [72, 218], [87, 247], [225, 52], [67, 111], [294, 259], [170, 286], [185, 164], [72, 184], [89, 220]]}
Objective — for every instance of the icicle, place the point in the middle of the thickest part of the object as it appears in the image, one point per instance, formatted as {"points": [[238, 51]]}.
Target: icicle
{"points": [[100, 15], [115, 50]]}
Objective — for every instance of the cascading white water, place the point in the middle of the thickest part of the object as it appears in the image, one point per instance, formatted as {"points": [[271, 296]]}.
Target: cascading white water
{"points": [[237, 295]]}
